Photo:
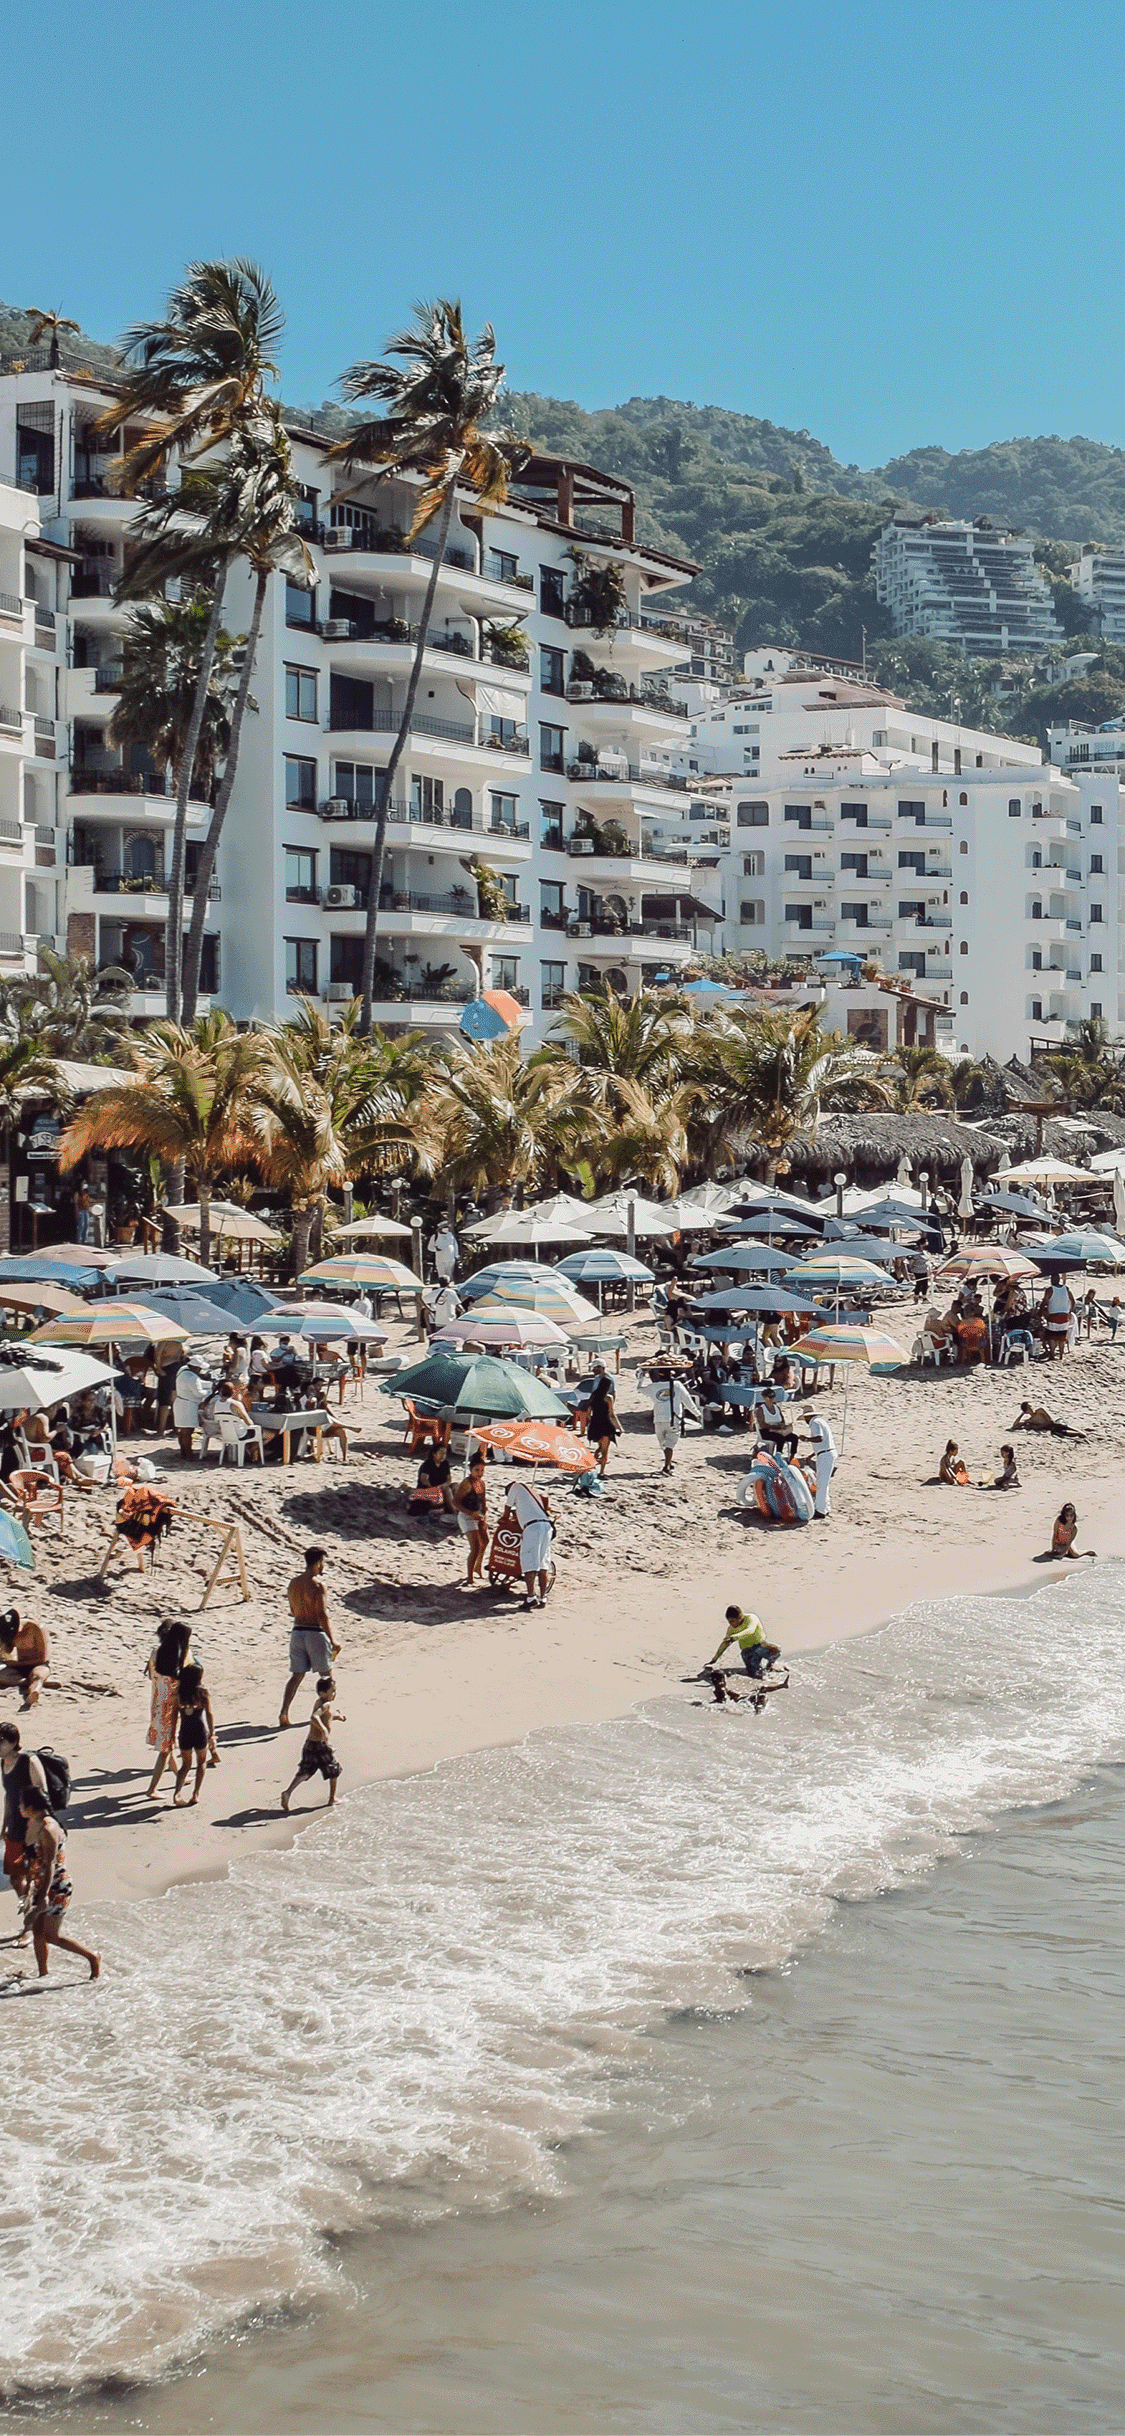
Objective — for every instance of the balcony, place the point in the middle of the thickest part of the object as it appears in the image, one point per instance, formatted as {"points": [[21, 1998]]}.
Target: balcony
{"points": [[11, 719], [625, 774], [617, 695], [604, 926], [11, 606], [459, 903]]}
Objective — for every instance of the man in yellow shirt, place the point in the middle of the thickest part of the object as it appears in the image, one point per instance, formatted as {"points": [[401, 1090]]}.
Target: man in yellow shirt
{"points": [[745, 1633]]}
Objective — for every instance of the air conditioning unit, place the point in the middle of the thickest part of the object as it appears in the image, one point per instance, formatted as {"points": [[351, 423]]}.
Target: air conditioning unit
{"points": [[336, 808], [337, 629], [341, 896], [580, 693], [581, 845], [336, 990], [583, 930], [338, 537]]}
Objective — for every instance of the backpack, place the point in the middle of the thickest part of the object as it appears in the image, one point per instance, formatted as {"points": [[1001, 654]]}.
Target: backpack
{"points": [[56, 1769]]}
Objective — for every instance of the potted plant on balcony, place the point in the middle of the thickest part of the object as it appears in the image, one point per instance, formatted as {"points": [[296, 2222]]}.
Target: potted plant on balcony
{"points": [[492, 898], [506, 645], [598, 592], [612, 838]]}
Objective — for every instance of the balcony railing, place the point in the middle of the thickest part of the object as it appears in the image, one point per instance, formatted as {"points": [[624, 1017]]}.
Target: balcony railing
{"points": [[608, 926], [147, 884], [409, 900], [11, 943], [91, 584], [647, 697], [387, 541], [556, 917], [11, 605], [452, 731], [42, 725], [11, 718], [496, 575], [624, 774], [108, 680]]}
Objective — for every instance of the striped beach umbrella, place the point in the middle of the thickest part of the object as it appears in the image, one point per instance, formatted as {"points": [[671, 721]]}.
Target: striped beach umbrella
{"points": [[553, 1298], [373, 1269], [990, 1261], [490, 1323], [746, 1260], [601, 1266], [1091, 1245], [839, 1341], [502, 1277], [113, 1323]]}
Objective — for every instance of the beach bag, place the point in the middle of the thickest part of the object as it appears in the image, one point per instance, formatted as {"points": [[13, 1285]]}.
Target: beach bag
{"points": [[57, 1772]]}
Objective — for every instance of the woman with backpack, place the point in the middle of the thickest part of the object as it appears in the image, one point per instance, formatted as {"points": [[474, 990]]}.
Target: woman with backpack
{"points": [[19, 1769], [49, 1888], [165, 1668]]}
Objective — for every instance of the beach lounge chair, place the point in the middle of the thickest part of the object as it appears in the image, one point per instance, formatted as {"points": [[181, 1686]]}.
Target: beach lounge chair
{"points": [[1017, 1346]]}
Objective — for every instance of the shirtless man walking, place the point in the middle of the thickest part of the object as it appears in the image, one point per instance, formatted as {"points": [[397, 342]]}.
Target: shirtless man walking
{"points": [[311, 1646]]}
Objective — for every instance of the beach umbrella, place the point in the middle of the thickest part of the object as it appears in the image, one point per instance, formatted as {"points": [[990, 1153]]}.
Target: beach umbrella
{"points": [[838, 1341], [540, 1442], [228, 1222], [745, 1259], [1090, 1245], [500, 1274], [360, 1228], [195, 1313], [160, 1269], [1017, 1205], [559, 1301], [1119, 1199], [113, 1323], [40, 1379], [965, 1205], [990, 1261], [772, 1299], [610, 1216], [79, 1256], [324, 1320], [688, 1219], [821, 1269], [15, 1542], [1049, 1171], [879, 1248], [1045, 1256], [489, 1323], [468, 1386], [527, 1226], [56, 1300], [36, 1267], [777, 1225], [603, 1267], [717, 1198], [374, 1269]]}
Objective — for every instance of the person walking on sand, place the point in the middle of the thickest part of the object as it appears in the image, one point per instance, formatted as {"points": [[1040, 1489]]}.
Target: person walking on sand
{"points": [[671, 1407], [318, 1757], [19, 1771], [745, 1633], [602, 1425], [311, 1646], [165, 1667], [197, 1732], [824, 1455], [49, 1889], [470, 1498], [532, 1510]]}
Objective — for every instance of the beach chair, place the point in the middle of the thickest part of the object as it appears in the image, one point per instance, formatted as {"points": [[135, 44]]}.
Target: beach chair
{"points": [[1017, 1346], [37, 1497], [419, 1431], [235, 1435]]}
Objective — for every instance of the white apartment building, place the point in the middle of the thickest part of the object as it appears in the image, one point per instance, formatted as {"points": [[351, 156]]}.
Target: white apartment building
{"points": [[993, 892], [1099, 578], [1093, 749], [803, 709], [973, 585], [32, 736], [541, 748]]}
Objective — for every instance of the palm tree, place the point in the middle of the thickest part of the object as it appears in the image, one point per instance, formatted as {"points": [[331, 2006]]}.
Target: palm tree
{"points": [[255, 501], [201, 373], [432, 425], [493, 1121], [188, 1103], [163, 646], [649, 1142], [298, 1147], [55, 322], [1088, 1075], [642, 1038], [26, 1073], [920, 1078], [367, 1086], [69, 1009], [765, 1078]]}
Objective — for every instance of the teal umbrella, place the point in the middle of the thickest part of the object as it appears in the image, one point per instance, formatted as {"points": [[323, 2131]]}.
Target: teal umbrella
{"points": [[14, 1541], [475, 1386]]}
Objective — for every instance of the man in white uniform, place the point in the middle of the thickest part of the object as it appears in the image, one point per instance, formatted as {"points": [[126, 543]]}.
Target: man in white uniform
{"points": [[671, 1406], [824, 1456], [446, 1252], [532, 1511]]}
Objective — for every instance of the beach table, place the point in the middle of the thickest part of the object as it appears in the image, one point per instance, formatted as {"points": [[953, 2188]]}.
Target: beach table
{"points": [[595, 1341], [274, 1424]]}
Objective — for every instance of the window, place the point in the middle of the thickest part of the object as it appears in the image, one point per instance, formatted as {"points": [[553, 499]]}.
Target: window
{"points": [[856, 914], [209, 964], [800, 865], [856, 863], [963, 799], [552, 592], [351, 703], [964, 896], [300, 605], [1096, 1009], [505, 972], [1037, 861], [964, 948], [347, 869], [355, 782], [800, 815], [753, 816], [427, 800], [551, 747], [1015, 807], [910, 962], [800, 916], [503, 566], [346, 959], [300, 966], [1036, 1007], [300, 876], [1095, 964], [552, 988], [1037, 959], [552, 831], [552, 670], [856, 812], [552, 906], [909, 860], [504, 810], [1096, 914], [911, 909], [913, 811], [752, 910], [964, 846], [753, 866], [300, 783], [1036, 910], [1096, 815], [1096, 863], [300, 693]]}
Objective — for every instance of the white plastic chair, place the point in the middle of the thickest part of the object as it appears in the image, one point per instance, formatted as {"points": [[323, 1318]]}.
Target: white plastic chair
{"points": [[235, 1436], [1018, 1346]]}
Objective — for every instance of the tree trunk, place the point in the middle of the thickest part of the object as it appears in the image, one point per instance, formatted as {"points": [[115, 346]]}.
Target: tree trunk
{"points": [[367, 987], [193, 951], [173, 1199], [204, 1223], [173, 936], [302, 1228]]}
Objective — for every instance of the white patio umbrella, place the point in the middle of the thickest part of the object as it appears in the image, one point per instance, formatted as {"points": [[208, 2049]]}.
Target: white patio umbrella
{"points": [[688, 1219], [1119, 1199], [527, 1226], [965, 1205], [48, 1377], [611, 1215], [361, 1227]]}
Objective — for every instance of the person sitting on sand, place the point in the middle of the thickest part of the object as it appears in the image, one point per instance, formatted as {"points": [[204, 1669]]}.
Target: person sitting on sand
{"points": [[951, 1470], [745, 1633], [432, 1489], [1007, 1477], [197, 1731], [1064, 1535], [49, 1887], [25, 1655], [1036, 1416], [318, 1757], [470, 1499]]}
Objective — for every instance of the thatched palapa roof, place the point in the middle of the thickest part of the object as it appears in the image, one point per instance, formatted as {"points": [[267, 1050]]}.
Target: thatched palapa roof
{"points": [[868, 1147]]}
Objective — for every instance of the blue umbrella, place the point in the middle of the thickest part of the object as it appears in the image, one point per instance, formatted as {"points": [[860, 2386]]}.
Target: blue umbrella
{"points": [[480, 1021], [246, 1304], [738, 1259], [195, 1312], [773, 1299], [500, 1274], [603, 1268], [38, 1268], [14, 1541]]}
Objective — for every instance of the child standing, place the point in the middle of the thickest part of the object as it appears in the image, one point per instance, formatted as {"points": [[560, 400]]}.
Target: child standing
{"points": [[318, 1757], [197, 1731]]}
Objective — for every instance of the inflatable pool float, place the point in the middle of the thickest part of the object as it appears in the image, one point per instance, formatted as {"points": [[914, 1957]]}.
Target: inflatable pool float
{"points": [[779, 1490]]}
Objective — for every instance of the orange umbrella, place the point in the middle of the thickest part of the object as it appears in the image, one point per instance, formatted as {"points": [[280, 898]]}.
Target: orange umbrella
{"points": [[539, 1442]]}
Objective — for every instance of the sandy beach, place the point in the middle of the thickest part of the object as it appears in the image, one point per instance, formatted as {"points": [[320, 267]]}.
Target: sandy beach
{"points": [[429, 1669]]}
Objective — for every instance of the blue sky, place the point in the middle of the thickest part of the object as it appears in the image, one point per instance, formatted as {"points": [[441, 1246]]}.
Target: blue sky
{"points": [[889, 224]]}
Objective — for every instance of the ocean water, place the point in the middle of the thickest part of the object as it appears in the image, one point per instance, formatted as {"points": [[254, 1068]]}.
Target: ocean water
{"points": [[647, 2076]]}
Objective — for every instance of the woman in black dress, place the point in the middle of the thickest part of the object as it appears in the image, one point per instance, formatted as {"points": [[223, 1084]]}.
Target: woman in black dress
{"points": [[197, 1730], [602, 1425]]}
